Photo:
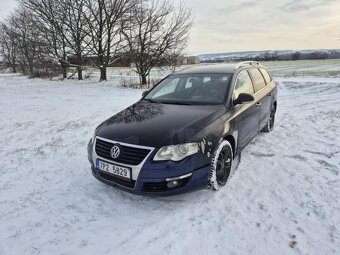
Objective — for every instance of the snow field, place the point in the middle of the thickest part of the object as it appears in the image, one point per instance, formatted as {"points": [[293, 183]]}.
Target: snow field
{"points": [[286, 190]]}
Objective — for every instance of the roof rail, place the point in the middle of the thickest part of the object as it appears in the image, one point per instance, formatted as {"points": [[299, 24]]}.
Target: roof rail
{"points": [[246, 63]]}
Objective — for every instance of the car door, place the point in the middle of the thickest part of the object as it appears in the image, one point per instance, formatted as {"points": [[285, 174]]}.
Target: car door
{"points": [[248, 113], [262, 93]]}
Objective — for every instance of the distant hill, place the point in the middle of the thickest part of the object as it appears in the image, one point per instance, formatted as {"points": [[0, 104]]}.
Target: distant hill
{"points": [[271, 55]]}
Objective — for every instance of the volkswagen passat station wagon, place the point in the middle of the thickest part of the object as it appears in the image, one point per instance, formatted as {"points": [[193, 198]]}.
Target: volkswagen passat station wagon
{"points": [[185, 132]]}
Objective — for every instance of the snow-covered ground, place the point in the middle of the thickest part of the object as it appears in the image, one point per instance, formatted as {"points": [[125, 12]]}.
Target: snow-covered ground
{"points": [[289, 68], [300, 68], [285, 193]]}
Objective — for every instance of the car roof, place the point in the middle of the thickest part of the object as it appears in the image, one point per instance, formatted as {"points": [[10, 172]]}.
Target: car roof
{"points": [[219, 68]]}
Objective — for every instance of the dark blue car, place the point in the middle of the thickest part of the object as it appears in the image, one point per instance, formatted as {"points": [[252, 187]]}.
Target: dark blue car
{"points": [[185, 132]]}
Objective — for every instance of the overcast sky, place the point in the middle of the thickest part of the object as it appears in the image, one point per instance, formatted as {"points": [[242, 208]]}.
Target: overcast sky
{"points": [[6, 6], [264, 24], [238, 25]]}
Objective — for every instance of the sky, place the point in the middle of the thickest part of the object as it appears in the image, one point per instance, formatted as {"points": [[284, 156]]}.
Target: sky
{"points": [[6, 6], [241, 25]]}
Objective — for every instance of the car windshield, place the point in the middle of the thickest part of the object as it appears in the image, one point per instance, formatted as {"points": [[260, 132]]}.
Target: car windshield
{"points": [[191, 89]]}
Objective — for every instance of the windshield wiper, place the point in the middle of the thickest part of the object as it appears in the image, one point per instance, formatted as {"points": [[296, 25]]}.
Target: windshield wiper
{"points": [[166, 102], [151, 101], [175, 102]]}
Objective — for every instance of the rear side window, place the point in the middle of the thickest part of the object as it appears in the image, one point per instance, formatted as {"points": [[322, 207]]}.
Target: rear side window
{"points": [[259, 82], [266, 75], [243, 85]]}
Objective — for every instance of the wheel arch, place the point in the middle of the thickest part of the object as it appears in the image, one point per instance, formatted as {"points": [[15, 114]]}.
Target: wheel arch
{"points": [[230, 138], [275, 105]]}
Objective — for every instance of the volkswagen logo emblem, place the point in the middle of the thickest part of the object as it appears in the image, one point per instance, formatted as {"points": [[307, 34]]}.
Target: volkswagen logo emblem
{"points": [[115, 151]]}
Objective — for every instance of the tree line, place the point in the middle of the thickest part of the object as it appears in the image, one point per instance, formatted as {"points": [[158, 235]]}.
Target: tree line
{"points": [[41, 36], [279, 56]]}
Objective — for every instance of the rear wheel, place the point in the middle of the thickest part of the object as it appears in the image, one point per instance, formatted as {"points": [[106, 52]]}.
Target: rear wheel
{"points": [[271, 121], [220, 166]]}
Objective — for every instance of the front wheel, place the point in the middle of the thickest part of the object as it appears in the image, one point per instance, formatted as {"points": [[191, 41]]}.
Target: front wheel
{"points": [[220, 166]]}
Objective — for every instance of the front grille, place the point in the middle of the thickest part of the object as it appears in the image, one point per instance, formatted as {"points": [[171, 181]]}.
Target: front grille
{"points": [[116, 180], [128, 155]]}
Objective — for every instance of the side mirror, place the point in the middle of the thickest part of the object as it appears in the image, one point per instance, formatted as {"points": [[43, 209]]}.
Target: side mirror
{"points": [[145, 93], [244, 98]]}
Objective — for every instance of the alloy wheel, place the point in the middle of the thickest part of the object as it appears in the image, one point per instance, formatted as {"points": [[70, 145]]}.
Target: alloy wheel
{"points": [[223, 166]]}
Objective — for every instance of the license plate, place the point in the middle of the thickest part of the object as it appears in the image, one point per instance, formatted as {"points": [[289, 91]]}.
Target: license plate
{"points": [[114, 169]]}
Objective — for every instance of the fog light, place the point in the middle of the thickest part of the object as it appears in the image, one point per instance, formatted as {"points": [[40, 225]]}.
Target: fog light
{"points": [[172, 184]]}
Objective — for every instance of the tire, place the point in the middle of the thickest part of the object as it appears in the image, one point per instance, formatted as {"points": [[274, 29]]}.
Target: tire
{"points": [[271, 121], [221, 165]]}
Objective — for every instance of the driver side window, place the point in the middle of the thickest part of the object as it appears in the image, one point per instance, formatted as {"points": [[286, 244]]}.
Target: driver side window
{"points": [[243, 85], [169, 88]]}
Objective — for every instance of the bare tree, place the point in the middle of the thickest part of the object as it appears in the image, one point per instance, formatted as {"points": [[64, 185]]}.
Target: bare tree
{"points": [[157, 33], [50, 17], [153, 32], [75, 29], [28, 39], [104, 19], [8, 48]]}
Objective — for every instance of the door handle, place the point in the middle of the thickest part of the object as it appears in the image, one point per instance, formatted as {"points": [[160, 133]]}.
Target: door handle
{"points": [[258, 104]]}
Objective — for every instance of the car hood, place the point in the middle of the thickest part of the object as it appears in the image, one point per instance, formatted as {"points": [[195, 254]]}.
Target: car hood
{"points": [[157, 125]]}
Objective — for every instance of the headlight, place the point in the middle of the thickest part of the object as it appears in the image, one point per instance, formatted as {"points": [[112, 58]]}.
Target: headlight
{"points": [[176, 152]]}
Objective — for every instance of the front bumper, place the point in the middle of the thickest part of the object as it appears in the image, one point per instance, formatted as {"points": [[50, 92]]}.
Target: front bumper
{"points": [[143, 185], [152, 178]]}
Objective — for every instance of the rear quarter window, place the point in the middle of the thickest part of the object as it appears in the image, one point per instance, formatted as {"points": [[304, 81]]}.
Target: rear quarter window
{"points": [[266, 75], [258, 79]]}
